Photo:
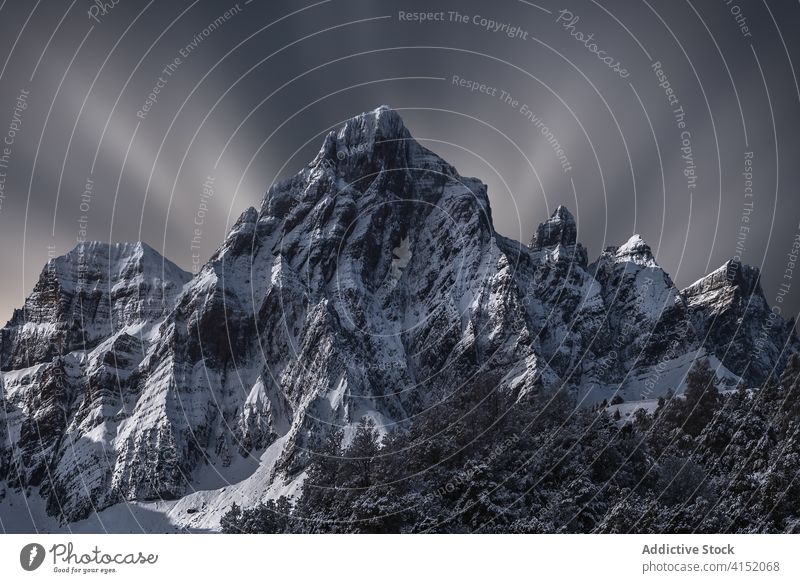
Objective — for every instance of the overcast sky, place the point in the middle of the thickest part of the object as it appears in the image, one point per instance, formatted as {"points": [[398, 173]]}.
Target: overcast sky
{"points": [[246, 91]]}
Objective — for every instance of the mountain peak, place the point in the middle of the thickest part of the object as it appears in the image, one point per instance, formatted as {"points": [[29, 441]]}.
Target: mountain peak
{"points": [[93, 263], [634, 251], [560, 228], [374, 147], [732, 274], [380, 124], [634, 243], [86, 295], [379, 133], [563, 212], [745, 277], [102, 247], [634, 248]]}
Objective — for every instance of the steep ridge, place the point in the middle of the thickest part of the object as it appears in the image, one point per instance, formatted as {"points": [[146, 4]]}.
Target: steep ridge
{"points": [[372, 283], [734, 321]]}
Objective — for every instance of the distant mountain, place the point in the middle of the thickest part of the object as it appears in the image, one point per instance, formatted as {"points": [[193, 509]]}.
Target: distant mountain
{"points": [[371, 284]]}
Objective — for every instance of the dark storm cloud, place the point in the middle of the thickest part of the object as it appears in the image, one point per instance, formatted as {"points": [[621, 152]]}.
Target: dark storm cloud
{"points": [[255, 86]]}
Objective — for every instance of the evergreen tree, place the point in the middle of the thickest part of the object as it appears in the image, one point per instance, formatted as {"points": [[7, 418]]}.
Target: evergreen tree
{"points": [[230, 520], [702, 397], [485, 462], [360, 455]]}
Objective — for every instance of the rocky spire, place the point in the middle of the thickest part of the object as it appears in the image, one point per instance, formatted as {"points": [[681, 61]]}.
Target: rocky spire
{"points": [[560, 228]]}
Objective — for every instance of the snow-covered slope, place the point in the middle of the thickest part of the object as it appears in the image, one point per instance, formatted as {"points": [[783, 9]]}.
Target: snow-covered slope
{"points": [[372, 283]]}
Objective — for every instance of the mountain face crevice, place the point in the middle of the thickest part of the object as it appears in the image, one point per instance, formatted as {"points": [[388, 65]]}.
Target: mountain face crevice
{"points": [[372, 283]]}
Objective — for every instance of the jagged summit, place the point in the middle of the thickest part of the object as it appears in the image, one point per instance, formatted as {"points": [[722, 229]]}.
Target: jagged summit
{"points": [[86, 294], [376, 143], [732, 275], [560, 228], [120, 248], [633, 246], [378, 135], [138, 250], [731, 311], [635, 250], [380, 124], [373, 159], [94, 264], [120, 251]]}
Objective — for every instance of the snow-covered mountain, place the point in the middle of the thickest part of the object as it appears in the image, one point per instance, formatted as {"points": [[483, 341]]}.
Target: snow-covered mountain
{"points": [[372, 283]]}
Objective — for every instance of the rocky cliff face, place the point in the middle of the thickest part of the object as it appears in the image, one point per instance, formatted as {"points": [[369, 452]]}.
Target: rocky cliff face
{"points": [[69, 358], [372, 283], [734, 321]]}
